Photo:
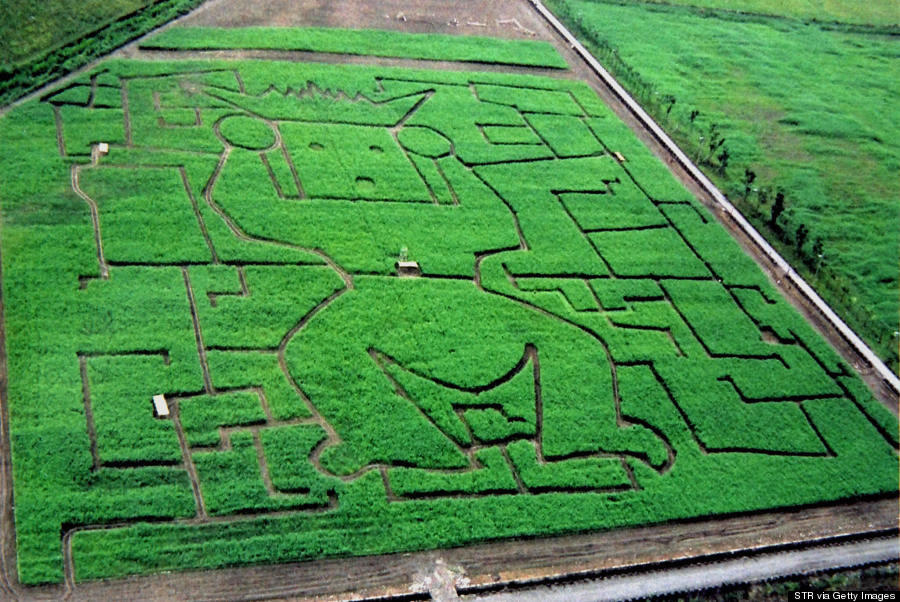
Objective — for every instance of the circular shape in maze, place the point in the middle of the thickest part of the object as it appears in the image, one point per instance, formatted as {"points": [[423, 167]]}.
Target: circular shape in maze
{"points": [[246, 132], [424, 141]]}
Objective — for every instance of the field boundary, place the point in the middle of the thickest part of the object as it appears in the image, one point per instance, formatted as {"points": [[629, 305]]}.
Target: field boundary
{"points": [[831, 318], [517, 565], [716, 570]]}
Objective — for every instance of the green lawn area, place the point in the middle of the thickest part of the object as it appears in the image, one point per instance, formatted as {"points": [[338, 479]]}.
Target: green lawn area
{"points": [[372, 42], [585, 347], [876, 12], [30, 28], [42, 42], [808, 111]]}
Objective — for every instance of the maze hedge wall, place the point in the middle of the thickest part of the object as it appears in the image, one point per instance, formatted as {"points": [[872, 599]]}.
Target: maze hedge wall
{"points": [[372, 42], [585, 347]]}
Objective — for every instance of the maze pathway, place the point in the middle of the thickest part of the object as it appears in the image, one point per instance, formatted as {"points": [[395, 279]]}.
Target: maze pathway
{"points": [[581, 346]]}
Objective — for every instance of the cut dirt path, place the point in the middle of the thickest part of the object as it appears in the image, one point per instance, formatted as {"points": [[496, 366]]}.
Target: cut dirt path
{"points": [[486, 566], [708, 575]]}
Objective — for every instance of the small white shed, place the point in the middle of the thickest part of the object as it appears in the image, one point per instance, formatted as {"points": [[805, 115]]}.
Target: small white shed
{"points": [[160, 407], [100, 149]]}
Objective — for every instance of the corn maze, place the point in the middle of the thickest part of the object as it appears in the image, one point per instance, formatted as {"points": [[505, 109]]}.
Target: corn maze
{"points": [[579, 345]]}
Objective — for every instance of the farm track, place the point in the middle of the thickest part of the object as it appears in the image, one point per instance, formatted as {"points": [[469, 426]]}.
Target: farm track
{"points": [[7, 523], [712, 573], [487, 567], [517, 564]]}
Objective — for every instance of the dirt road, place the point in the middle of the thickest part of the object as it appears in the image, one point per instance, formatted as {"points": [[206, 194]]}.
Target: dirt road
{"points": [[706, 575]]}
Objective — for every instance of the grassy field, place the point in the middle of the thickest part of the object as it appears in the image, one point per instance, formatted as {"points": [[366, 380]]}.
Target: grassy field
{"points": [[877, 13], [44, 41], [30, 28], [370, 42], [777, 107], [585, 347]]}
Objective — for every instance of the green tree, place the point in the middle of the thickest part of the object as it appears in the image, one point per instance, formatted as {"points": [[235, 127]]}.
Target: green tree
{"points": [[749, 178], [777, 210]]}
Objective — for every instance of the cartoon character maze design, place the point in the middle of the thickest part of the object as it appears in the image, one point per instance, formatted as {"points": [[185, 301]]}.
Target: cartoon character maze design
{"points": [[575, 321]]}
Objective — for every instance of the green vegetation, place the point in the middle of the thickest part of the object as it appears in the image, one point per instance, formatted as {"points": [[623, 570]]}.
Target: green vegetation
{"points": [[811, 160], [202, 416], [245, 132], [29, 28], [374, 42], [585, 347], [877, 12], [45, 40]]}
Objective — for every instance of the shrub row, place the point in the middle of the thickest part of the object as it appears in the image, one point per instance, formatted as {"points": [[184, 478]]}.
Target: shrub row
{"points": [[20, 79], [362, 41]]}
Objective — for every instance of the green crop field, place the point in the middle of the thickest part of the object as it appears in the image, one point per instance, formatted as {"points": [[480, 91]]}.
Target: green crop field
{"points": [[42, 41], [773, 107], [29, 28], [874, 12], [371, 42], [583, 348]]}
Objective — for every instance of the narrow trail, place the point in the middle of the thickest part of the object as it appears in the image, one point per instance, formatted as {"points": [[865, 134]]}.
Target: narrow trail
{"points": [[239, 232], [95, 218]]}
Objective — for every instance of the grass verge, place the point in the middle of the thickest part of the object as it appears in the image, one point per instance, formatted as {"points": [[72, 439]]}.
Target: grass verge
{"points": [[363, 42]]}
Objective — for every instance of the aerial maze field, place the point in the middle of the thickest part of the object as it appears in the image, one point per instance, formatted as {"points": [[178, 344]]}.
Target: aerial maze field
{"points": [[582, 346]]}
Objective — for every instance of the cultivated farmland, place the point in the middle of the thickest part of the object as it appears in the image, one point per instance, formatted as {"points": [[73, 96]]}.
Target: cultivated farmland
{"points": [[580, 345], [795, 119], [42, 41], [28, 30], [878, 13]]}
